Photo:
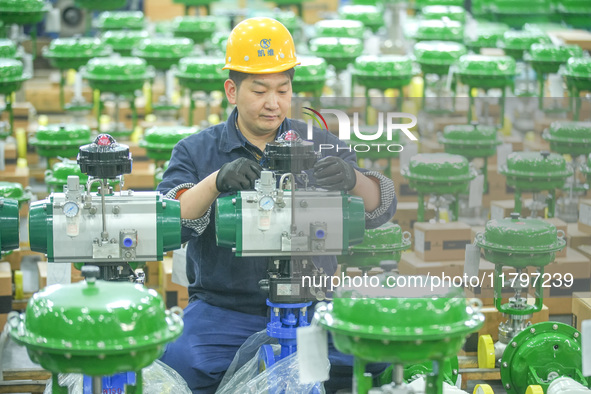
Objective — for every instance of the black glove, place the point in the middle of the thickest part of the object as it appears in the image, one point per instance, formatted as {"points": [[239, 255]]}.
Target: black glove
{"points": [[239, 174], [333, 173]]}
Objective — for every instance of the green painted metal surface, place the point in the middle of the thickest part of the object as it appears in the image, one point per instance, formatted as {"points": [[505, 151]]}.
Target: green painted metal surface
{"points": [[7, 48], [575, 13], [542, 352], [383, 243], [420, 4], [454, 13], [66, 53], [587, 168], [310, 75], [486, 35], [202, 73], [449, 369], [57, 177], [383, 72], [515, 43], [168, 229], [23, 12], [374, 153], [11, 75], [95, 328], [371, 16], [101, 5], [117, 75], [547, 58], [193, 2], [439, 29], [569, 137], [160, 140], [337, 51], [519, 242], [578, 73], [40, 228], [119, 20], [123, 41], [516, 12], [228, 221], [217, 43], [339, 28], [439, 173], [60, 139], [486, 71], [162, 53], [435, 57], [9, 224], [470, 141], [197, 28], [384, 325], [535, 171], [15, 191]]}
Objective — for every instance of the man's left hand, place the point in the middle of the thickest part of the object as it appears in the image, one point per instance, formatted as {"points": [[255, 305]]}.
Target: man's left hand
{"points": [[333, 173]]}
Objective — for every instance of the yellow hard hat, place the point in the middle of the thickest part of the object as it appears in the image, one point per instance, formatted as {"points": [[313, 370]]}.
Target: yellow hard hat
{"points": [[260, 46]]}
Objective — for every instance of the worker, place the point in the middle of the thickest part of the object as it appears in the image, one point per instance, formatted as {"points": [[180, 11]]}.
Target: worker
{"points": [[226, 305]]}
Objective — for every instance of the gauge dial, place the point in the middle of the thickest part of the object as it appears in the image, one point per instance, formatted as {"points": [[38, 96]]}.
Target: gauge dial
{"points": [[71, 209], [266, 203]]}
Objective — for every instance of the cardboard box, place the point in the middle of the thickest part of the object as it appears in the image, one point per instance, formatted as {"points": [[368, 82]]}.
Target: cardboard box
{"points": [[430, 146], [141, 179], [585, 216], [503, 209], [585, 250], [5, 279], [42, 269], [515, 140], [174, 294], [560, 225], [5, 288], [575, 237], [536, 145], [152, 271], [406, 215], [581, 38], [581, 308], [558, 295], [411, 264], [441, 241], [3, 319]]}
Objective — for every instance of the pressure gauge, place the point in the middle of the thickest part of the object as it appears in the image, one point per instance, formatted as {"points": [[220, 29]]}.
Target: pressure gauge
{"points": [[71, 209], [266, 203]]}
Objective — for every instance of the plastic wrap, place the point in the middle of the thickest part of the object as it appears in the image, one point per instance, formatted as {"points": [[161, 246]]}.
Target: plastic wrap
{"points": [[245, 376], [158, 378]]}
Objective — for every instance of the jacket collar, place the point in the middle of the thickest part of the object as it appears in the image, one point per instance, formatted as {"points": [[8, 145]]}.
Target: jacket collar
{"points": [[231, 138]]}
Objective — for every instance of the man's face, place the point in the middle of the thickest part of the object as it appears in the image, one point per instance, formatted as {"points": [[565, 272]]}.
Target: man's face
{"points": [[262, 101]]}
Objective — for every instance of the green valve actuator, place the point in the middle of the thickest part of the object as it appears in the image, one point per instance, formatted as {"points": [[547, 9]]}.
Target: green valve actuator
{"points": [[106, 227], [9, 224], [527, 354]]}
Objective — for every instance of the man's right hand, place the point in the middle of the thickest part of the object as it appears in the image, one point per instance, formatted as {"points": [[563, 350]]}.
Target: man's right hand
{"points": [[236, 175]]}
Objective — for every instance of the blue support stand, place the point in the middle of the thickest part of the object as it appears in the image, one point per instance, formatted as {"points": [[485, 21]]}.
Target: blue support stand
{"points": [[115, 384]]}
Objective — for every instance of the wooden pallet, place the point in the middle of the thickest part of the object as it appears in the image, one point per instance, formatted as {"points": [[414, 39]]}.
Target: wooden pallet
{"points": [[24, 381], [470, 371]]}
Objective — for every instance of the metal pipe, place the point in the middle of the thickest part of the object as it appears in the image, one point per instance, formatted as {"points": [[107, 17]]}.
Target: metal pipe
{"points": [[292, 179], [104, 186], [97, 385]]}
